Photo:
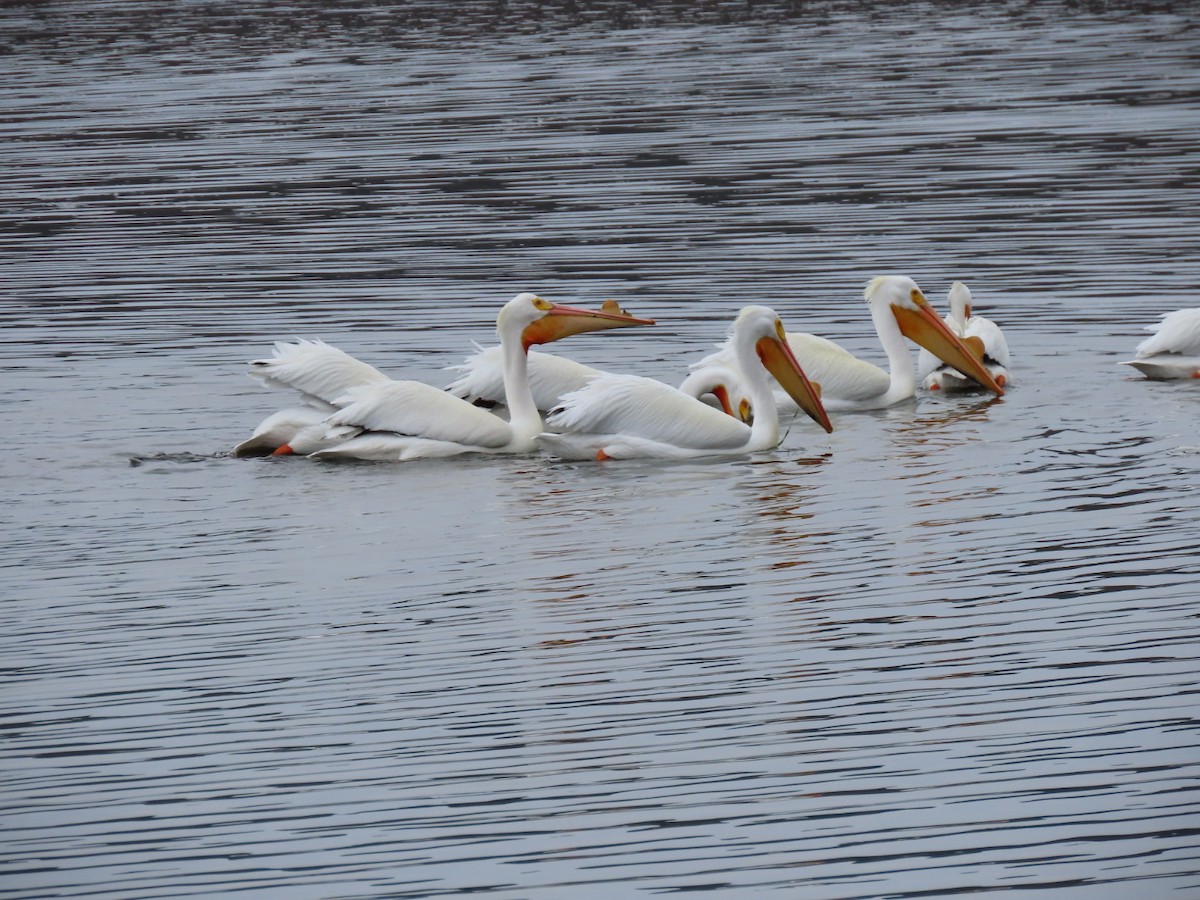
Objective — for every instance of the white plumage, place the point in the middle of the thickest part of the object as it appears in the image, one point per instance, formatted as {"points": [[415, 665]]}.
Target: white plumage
{"points": [[898, 310], [623, 416], [402, 420], [985, 336], [1173, 350]]}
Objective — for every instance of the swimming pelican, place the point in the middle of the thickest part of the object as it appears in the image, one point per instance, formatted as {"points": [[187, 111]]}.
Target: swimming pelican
{"points": [[974, 330], [402, 420], [481, 378], [626, 416], [321, 374], [1173, 351], [899, 310]]}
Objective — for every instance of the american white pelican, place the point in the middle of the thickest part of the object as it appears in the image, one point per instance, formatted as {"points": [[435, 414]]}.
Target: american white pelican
{"points": [[402, 420], [977, 332], [481, 378], [321, 374], [626, 416], [899, 310], [1173, 351]]}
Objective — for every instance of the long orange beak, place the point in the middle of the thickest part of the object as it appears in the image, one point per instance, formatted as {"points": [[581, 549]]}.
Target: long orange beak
{"points": [[926, 328], [562, 321], [779, 360]]}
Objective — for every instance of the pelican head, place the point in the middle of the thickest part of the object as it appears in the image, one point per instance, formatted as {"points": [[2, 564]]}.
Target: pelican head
{"points": [[540, 321], [760, 326], [919, 323]]}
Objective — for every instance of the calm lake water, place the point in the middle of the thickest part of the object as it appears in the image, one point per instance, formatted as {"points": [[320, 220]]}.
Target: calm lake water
{"points": [[950, 648]]}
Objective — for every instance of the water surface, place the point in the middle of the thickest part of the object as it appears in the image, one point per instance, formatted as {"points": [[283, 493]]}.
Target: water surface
{"points": [[949, 648]]}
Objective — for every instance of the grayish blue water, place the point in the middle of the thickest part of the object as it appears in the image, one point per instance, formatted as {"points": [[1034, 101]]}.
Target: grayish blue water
{"points": [[950, 648]]}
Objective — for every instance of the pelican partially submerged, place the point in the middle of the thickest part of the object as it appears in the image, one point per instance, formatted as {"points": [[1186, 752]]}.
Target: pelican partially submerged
{"points": [[899, 310], [402, 420], [625, 416], [1173, 350], [981, 334], [320, 374]]}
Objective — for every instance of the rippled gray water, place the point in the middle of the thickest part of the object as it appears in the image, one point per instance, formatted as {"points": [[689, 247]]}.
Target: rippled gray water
{"points": [[950, 648]]}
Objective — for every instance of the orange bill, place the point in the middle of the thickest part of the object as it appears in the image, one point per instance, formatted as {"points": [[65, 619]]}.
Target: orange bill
{"points": [[926, 328], [562, 321], [721, 392], [779, 360]]}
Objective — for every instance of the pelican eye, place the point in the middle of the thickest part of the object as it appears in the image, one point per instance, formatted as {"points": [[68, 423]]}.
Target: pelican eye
{"points": [[541, 304], [779, 330], [918, 298]]}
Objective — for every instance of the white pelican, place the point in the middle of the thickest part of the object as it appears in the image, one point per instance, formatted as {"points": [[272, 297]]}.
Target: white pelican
{"points": [[402, 420], [626, 416], [321, 374], [978, 333], [899, 310], [481, 378], [1173, 351]]}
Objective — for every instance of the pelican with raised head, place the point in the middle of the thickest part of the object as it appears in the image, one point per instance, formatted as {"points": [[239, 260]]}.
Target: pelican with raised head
{"points": [[551, 377], [402, 420], [628, 416]]}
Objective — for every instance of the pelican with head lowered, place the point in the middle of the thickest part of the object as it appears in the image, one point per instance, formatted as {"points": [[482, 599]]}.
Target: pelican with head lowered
{"points": [[1173, 350], [627, 416], [402, 420], [899, 310]]}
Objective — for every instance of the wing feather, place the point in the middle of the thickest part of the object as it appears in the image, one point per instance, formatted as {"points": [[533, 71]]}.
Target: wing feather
{"points": [[1178, 332], [315, 369]]}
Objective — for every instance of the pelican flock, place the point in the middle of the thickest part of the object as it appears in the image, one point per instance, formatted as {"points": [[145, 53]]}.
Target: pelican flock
{"points": [[624, 416], [513, 399], [899, 310]]}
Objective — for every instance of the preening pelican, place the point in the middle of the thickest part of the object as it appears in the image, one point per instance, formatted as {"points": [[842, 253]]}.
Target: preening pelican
{"points": [[979, 333], [1173, 351], [320, 374], [625, 416], [899, 310], [402, 420]]}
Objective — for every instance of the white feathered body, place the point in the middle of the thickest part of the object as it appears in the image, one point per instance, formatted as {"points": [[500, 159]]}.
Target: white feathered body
{"points": [[1173, 349], [631, 416], [403, 420]]}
